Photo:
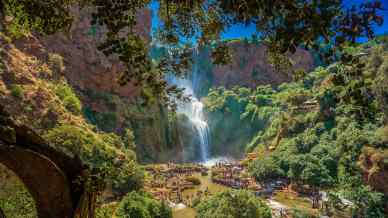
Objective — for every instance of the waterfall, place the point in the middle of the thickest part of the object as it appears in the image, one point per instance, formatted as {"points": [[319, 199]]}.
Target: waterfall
{"points": [[198, 120], [194, 111]]}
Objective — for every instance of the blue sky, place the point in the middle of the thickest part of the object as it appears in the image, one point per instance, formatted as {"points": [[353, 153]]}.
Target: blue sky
{"points": [[241, 31]]}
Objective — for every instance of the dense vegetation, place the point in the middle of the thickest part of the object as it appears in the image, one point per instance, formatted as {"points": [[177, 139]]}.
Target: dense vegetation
{"points": [[233, 204], [141, 205], [313, 133], [105, 152], [15, 200]]}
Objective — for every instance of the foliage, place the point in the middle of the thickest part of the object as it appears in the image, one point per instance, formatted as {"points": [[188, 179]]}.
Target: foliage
{"points": [[53, 15], [284, 25], [194, 180], [308, 170], [265, 169], [233, 204], [105, 120], [129, 139], [313, 131], [15, 199], [20, 25], [300, 214], [367, 203], [105, 211], [69, 98], [134, 182], [100, 151], [240, 107], [141, 205], [16, 91]]}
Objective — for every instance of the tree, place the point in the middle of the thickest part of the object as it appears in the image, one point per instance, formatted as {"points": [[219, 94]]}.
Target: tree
{"points": [[98, 151], [2, 214], [142, 205], [233, 204], [308, 170], [265, 169], [283, 26], [367, 203]]}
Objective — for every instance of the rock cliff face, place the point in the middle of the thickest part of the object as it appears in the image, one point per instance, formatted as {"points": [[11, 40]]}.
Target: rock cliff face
{"points": [[84, 66], [111, 107], [250, 66]]}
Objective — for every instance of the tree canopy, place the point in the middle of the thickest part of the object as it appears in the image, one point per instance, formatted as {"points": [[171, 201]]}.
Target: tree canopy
{"points": [[315, 133], [142, 205], [233, 204], [282, 25]]}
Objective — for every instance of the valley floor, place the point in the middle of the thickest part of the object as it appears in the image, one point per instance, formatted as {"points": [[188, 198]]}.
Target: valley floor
{"points": [[279, 201]]}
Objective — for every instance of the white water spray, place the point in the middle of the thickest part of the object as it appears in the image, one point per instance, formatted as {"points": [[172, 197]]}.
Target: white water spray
{"points": [[194, 111], [197, 118]]}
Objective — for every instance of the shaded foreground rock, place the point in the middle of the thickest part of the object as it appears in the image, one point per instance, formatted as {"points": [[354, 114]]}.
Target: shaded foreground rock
{"points": [[48, 174]]}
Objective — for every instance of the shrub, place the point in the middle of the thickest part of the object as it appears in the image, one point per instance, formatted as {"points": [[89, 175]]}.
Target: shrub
{"points": [[381, 136], [19, 25], [233, 204], [141, 205], [301, 214], [129, 139], [15, 199], [69, 98], [17, 91], [106, 211], [73, 105], [265, 168], [28, 108], [96, 150], [193, 180]]}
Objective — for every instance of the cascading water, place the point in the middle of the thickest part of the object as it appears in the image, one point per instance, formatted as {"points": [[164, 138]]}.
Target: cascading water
{"points": [[194, 111], [202, 127]]}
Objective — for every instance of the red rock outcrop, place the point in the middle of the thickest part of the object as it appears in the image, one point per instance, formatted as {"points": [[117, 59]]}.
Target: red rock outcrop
{"points": [[85, 66], [111, 107], [250, 66]]}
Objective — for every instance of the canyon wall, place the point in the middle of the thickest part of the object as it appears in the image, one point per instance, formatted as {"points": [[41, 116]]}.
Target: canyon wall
{"points": [[111, 107], [250, 66]]}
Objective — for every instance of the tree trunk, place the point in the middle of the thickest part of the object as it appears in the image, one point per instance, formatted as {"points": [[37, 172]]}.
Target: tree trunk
{"points": [[1, 19], [2, 215]]}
